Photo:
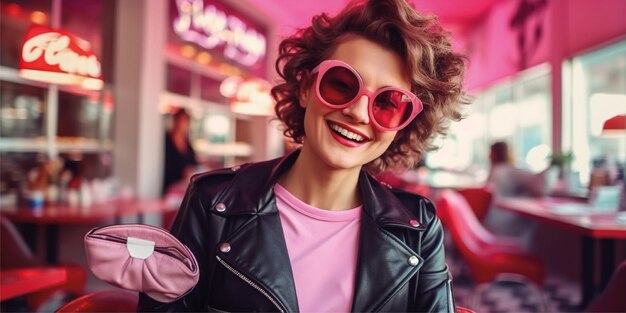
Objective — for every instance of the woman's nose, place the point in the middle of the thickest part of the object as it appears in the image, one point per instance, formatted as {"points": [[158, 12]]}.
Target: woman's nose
{"points": [[358, 111]]}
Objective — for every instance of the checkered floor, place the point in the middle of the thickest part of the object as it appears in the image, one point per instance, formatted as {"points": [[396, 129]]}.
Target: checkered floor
{"points": [[557, 295]]}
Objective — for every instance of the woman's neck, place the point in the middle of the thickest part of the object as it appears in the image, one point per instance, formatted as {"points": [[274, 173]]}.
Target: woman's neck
{"points": [[321, 186]]}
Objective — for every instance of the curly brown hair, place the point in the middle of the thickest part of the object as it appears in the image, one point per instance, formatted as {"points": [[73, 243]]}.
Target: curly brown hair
{"points": [[436, 71]]}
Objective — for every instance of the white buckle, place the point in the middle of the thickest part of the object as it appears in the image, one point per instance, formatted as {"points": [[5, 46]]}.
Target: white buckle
{"points": [[139, 248]]}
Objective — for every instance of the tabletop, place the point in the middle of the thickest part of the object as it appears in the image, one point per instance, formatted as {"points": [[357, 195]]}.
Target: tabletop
{"points": [[95, 213], [570, 214], [17, 282]]}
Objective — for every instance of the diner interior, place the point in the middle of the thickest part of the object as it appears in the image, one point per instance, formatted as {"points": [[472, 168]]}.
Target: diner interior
{"points": [[530, 186]]}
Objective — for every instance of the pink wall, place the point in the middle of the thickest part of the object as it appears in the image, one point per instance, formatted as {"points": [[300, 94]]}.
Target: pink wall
{"points": [[567, 28], [594, 22]]}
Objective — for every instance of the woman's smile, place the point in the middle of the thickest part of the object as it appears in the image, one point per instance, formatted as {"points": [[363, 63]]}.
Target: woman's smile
{"points": [[346, 135]]}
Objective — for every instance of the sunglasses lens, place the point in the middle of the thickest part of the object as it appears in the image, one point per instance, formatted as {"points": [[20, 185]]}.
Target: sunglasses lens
{"points": [[338, 86], [392, 108]]}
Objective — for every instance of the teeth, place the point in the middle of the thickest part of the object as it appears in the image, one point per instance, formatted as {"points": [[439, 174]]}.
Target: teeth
{"points": [[346, 133]]}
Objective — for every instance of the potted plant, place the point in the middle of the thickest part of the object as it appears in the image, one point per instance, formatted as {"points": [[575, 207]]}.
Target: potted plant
{"points": [[562, 160]]}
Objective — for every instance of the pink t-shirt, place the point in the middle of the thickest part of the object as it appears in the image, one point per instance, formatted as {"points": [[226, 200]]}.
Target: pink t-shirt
{"points": [[323, 248]]}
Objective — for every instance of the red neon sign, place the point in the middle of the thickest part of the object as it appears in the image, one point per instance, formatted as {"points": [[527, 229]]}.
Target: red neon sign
{"points": [[55, 56]]}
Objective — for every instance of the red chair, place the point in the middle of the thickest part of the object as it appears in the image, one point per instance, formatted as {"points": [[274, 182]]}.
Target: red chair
{"points": [[422, 190], [489, 258], [460, 309], [103, 301], [391, 179], [16, 254], [479, 200]]}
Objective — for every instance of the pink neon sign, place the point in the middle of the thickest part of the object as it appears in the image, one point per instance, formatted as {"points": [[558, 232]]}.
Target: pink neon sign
{"points": [[211, 27]]}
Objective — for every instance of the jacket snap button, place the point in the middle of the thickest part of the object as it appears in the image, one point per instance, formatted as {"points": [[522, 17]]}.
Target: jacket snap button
{"points": [[414, 223], [413, 260], [225, 247], [220, 207], [235, 168]]}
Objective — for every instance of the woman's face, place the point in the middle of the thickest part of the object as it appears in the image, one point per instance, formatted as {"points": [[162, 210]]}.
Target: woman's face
{"points": [[326, 128], [181, 123]]}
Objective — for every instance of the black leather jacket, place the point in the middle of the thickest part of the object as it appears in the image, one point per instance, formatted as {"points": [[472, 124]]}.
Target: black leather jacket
{"points": [[230, 222]]}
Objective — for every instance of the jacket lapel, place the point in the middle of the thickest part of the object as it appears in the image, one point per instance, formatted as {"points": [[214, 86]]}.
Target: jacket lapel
{"points": [[258, 249], [383, 265]]}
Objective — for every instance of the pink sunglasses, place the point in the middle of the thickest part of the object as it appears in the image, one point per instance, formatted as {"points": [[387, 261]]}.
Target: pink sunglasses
{"points": [[338, 86]]}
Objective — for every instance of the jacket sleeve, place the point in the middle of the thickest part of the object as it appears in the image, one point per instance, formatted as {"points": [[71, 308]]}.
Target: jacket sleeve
{"points": [[434, 286], [189, 227]]}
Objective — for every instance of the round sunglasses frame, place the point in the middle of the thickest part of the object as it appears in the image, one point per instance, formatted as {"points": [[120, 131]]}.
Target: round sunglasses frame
{"points": [[326, 65]]}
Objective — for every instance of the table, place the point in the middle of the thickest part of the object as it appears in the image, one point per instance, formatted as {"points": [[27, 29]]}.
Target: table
{"points": [[591, 226], [18, 282], [51, 216]]}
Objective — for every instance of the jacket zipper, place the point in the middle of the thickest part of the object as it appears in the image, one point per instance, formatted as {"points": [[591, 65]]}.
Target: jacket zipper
{"points": [[451, 304], [251, 283]]}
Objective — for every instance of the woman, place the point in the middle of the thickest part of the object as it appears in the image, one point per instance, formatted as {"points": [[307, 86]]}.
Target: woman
{"points": [[507, 180], [180, 159], [510, 181], [313, 231]]}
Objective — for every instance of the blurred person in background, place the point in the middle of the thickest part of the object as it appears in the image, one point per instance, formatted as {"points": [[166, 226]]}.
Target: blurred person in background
{"points": [[313, 231], [180, 158], [507, 180], [511, 181]]}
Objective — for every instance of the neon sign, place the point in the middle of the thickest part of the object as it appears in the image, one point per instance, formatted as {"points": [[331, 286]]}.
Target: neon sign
{"points": [[250, 96], [210, 27], [55, 56]]}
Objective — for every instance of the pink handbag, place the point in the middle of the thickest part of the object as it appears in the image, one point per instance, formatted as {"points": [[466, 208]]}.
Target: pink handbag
{"points": [[142, 258]]}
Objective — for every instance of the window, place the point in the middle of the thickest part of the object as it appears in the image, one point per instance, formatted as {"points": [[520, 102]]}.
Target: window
{"points": [[595, 88], [78, 116], [22, 110], [39, 121], [517, 111]]}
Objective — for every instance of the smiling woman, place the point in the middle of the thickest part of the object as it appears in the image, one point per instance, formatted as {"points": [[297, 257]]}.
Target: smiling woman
{"points": [[313, 231]]}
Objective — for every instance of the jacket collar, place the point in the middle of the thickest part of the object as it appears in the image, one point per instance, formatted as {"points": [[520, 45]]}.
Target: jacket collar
{"points": [[382, 265], [378, 201]]}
